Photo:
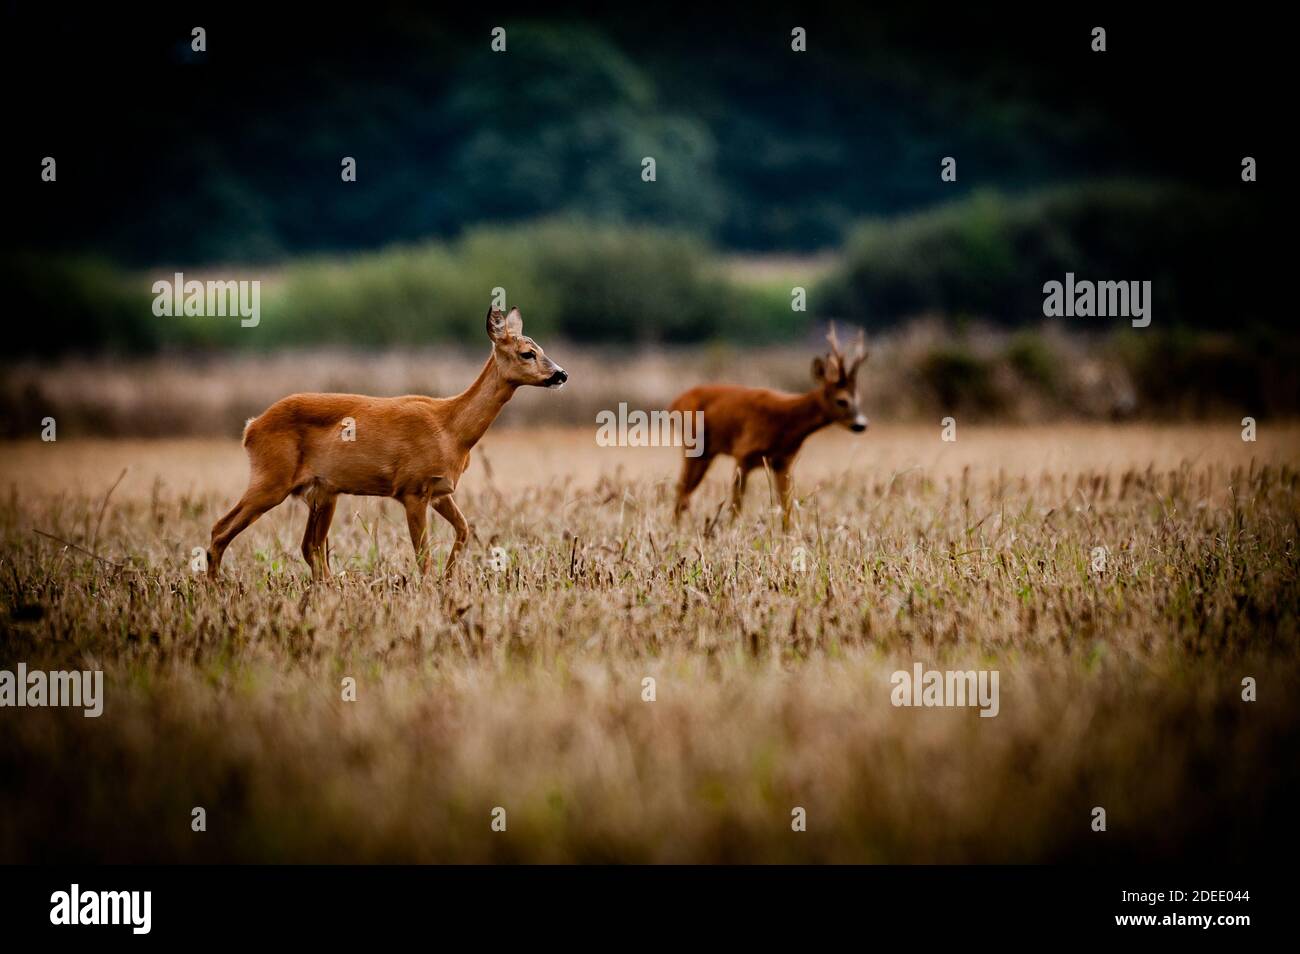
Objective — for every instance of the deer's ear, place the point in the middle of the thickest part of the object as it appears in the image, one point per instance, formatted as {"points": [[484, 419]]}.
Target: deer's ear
{"points": [[515, 323], [819, 369], [496, 324]]}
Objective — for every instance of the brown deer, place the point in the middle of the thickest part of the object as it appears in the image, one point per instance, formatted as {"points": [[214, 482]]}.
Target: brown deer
{"points": [[759, 427], [412, 448]]}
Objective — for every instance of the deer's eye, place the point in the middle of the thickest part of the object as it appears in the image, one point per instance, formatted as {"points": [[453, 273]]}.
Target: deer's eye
{"points": [[528, 355], [842, 402]]}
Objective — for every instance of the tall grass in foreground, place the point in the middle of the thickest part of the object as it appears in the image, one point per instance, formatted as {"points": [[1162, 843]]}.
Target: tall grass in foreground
{"points": [[523, 688]]}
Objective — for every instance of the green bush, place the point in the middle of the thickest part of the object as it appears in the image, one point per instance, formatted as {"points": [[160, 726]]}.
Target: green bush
{"points": [[985, 257], [573, 279], [615, 284], [586, 282], [989, 255], [75, 305], [1032, 359], [959, 380], [1255, 371]]}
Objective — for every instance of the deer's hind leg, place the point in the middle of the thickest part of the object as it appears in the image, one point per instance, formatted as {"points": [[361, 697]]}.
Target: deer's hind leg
{"points": [[260, 497], [319, 517], [784, 489], [743, 467]]}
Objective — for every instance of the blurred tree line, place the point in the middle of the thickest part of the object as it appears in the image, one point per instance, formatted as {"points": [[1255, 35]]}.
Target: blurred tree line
{"points": [[169, 157], [983, 258]]}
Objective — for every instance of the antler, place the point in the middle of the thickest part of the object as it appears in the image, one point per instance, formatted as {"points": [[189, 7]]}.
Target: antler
{"points": [[834, 341], [835, 360], [860, 352]]}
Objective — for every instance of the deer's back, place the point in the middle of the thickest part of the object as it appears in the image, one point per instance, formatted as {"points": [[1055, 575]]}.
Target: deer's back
{"points": [[354, 443], [739, 421], [303, 413]]}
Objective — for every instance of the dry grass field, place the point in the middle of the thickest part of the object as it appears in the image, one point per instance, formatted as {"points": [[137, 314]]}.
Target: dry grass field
{"points": [[911, 370], [522, 687]]}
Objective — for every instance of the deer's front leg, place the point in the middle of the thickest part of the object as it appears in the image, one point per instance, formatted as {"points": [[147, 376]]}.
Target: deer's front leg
{"points": [[738, 486], [417, 521], [448, 510], [784, 490]]}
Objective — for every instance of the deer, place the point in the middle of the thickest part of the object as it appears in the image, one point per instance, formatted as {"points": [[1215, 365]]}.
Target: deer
{"points": [[759, 427], [413, 449]]}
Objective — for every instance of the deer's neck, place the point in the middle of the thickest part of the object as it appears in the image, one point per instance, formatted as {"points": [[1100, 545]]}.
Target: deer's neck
{"points": [[474, 409], [807, 415]]}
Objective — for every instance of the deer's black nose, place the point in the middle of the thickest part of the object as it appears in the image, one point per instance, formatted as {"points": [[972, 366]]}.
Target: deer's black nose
{"points": [[558, 378], [859, 425]]}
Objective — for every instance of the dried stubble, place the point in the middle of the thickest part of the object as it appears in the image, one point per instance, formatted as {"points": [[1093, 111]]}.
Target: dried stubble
{"points": [[522, 687]]}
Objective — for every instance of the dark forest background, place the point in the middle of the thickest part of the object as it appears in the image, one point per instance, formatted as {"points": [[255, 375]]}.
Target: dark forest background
{"points": [[168, 156], [522, 170]]}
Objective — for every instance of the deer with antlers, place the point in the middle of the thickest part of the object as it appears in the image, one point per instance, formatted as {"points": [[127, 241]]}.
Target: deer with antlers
{"points": [[759, 427], [412, 448]]}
